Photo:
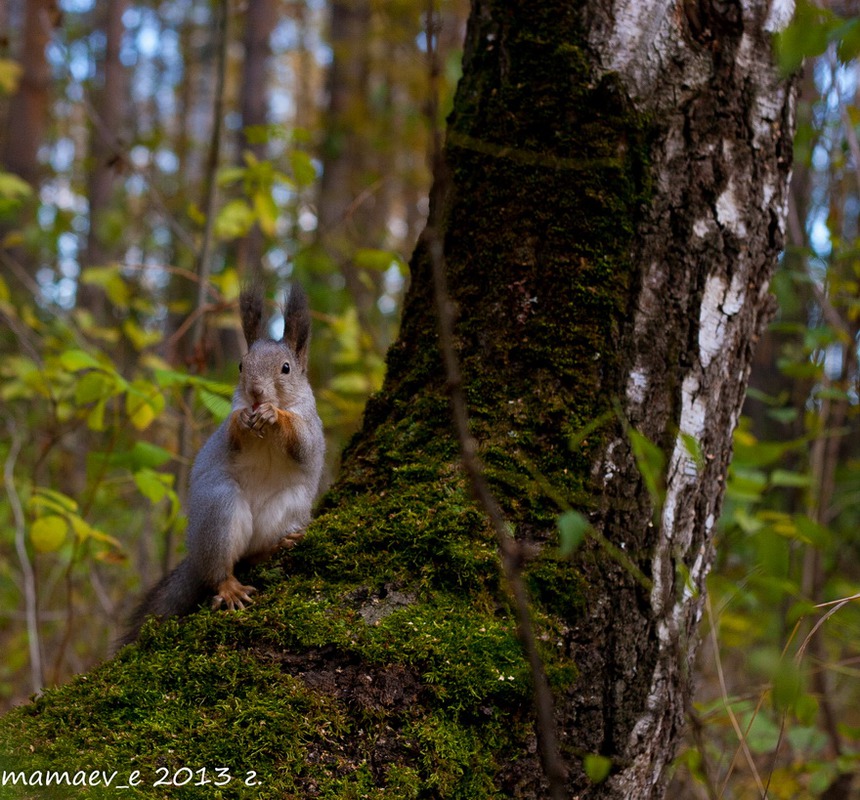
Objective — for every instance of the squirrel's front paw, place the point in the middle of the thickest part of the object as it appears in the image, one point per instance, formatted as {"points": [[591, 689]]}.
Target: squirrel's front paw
{"points": [[247, 418], [232, 594], [267, 413], [263, 414]]}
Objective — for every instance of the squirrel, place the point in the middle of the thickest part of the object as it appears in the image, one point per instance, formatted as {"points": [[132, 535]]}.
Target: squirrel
{"points": [[255, 479]]}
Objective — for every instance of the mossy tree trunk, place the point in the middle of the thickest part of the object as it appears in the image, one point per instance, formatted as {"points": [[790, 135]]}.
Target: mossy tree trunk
{"points": [[614, 210], [616, 206]]}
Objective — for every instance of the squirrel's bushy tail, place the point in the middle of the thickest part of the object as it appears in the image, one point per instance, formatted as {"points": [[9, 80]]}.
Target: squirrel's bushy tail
{"points": [[178, 593]]}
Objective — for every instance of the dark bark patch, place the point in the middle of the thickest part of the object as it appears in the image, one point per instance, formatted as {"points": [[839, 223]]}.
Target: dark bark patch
{"points": [[389, 688]]}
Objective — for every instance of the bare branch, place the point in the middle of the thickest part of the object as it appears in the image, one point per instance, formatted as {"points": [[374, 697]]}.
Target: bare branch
{"points": [[37, 679], [509, 548]]}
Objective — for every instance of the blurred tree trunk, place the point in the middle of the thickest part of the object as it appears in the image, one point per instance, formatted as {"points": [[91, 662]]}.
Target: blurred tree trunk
{"points": [[259, 19], [180, 290], [29, 108], [108, 103], [616, 207], [28, 113], [344, 192]]}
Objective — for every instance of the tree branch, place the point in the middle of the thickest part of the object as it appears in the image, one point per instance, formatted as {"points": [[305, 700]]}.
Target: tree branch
{"points": [[203, 262], [509, 549], [29, 576]]}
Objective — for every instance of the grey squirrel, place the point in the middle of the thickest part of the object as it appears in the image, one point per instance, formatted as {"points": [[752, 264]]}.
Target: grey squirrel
{"points": [[255, 479]]}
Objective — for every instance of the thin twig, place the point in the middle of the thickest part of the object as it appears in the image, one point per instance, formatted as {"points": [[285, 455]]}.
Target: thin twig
{"points": [[509, 548], [29, 576], [203, 262], [203, 267], [742, 739], [837, 606]]}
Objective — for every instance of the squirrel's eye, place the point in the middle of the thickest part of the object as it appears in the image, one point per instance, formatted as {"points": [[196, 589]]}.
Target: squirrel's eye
{"points": [[286, 368], [240, 366]]}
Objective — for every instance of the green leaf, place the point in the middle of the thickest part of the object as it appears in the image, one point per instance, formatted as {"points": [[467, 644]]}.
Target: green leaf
{"points": [[51, 500], [76, 360], [167, 378], [216, 387], [152, 485], [650, 462], [216, 405], [138, 336], [814, 532], [374, 260], [234, 220], [302, 167], [784, 477], [806, 709], [596, 767], [787, 685], [143, 403], [10, 75], [573, 527], [195, 214], [109, 279], [847, 37], [783, 415], [350, 383], [228, 175], [83, 530], [763, 734], [808, 35], [95, 386], [694, 449], [11, 186], [48, 533], [96, 417], [146, 454]]}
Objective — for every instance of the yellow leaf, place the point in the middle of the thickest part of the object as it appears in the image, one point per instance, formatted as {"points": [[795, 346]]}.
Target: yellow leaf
{"points": [[234, 220], [96, 417], [138, 336], [267, 213], [10, 75], [48, 533], [51, 500], [143, 403]]}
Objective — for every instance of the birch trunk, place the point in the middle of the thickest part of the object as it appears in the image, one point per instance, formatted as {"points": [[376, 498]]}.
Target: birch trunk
{"points": [[652, 294], [613, 209], [720, 157]]}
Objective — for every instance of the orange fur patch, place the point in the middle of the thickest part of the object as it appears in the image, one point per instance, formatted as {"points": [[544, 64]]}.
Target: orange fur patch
{"points": [[287, 434]]}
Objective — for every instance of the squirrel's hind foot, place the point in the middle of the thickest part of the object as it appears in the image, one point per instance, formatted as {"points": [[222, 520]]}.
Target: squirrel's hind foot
{"points": [[232, 594]]}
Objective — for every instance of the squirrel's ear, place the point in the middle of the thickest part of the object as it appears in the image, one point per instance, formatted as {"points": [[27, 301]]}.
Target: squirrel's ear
{"points": [[251, 313], [297, 324]]}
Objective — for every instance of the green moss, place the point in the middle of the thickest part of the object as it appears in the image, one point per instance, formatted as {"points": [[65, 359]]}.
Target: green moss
{"points": [[547, 183], [213, 690]]}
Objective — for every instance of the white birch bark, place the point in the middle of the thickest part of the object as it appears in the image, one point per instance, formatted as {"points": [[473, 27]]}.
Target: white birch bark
{"points": [[726, 189]]}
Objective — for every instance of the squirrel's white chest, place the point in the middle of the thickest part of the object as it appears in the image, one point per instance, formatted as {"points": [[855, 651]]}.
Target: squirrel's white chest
{"points": [[274, 493]]}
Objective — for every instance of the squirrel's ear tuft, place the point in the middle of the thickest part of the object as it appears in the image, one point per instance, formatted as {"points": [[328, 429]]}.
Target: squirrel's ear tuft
{"points": [[297, 324], [251, 313]]}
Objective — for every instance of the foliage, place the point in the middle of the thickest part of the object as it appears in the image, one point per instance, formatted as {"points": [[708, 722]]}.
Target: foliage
{"points": [[107, 391], [62, 391]]}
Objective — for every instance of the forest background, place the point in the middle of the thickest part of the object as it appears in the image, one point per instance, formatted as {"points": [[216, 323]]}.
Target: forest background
{"points": [[156, 154]]}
